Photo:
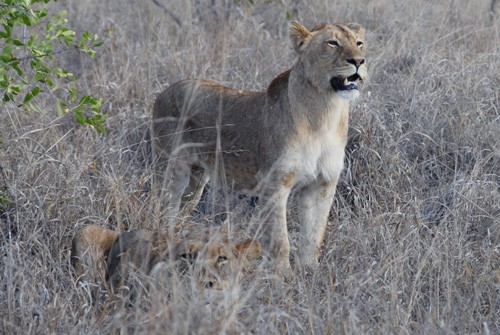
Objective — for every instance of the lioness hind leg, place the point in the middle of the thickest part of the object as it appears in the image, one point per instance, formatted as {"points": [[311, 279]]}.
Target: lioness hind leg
{"points": [[314, 202]]}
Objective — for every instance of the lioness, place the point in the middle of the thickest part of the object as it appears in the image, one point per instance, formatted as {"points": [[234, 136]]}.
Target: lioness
{"points": [[290, 137]]}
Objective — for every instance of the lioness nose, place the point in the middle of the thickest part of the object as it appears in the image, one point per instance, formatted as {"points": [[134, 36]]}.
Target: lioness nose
{"points": [[356, 61]]}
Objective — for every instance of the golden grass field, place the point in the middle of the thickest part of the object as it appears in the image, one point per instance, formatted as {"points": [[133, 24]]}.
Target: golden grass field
{"points": [[413, 242]]}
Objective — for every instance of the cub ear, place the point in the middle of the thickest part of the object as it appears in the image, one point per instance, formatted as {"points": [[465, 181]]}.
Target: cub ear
{"points": [[357, 28], [300, 36], [249, 249], [190, 252]]}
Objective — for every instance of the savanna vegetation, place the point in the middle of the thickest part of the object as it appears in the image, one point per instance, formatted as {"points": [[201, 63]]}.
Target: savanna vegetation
{"points": [[413, 242]]}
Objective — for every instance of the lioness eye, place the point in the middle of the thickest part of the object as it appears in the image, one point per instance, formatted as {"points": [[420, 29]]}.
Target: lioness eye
{"points": [[359, 44], [333, 43]]}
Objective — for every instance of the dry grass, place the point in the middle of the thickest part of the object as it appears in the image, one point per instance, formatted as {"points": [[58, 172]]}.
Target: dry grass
{"points": [[414, 241]]}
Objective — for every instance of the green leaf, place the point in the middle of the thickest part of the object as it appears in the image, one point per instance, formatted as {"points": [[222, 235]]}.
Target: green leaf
{"points": [[14, 89], [72, 93], [31, 94], [4, 198], [49, 81], [7, 50], [25, 19], [43, 12], [5, 34], [62, 73], [59, 108], [15, 66], [62, 14], [17, 42], [7, 97], [85, 100], [4, 81], [80, 118]]}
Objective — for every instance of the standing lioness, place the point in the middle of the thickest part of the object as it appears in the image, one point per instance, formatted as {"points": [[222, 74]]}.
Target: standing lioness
{"points": [[291, 137]]}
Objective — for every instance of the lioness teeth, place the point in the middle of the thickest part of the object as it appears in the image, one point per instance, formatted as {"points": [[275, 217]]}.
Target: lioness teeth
{"points": [[349, 85]]}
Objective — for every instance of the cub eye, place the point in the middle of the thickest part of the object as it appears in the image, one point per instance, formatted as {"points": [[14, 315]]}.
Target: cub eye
{"points": [[333, 43], [359, 44], [222, 259]]}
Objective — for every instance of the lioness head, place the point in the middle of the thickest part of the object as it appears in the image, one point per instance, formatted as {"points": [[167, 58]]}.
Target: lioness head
{"points": [[332, 55]]}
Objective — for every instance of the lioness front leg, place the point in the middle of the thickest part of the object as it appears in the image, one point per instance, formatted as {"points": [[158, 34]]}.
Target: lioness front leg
{"points": [[315, 202], [275, 232]]}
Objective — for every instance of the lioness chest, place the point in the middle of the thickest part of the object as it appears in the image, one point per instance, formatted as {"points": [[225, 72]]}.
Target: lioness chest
{"points": [[317, 154]]}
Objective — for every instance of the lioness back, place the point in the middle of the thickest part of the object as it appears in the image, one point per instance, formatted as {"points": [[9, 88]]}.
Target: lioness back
{"points": [[206, 110]]}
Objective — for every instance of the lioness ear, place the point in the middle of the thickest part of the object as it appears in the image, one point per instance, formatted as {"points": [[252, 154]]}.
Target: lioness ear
{"points": [[300, 36], [357, 28], [249, 248]]}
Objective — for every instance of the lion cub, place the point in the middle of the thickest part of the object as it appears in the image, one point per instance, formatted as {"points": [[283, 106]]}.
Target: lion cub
{"points": [[289, 138], [215, 262]]}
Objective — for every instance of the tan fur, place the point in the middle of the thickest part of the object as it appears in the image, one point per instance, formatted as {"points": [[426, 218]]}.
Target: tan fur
{"points": [[89, 250], [220, 263], [290, 137]]}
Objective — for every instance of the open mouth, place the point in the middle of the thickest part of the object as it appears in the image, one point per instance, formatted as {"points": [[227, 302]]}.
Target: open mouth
{"points": [[345, 84]]}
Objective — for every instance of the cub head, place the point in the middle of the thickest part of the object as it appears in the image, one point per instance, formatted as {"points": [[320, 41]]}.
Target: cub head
{"points": [[333, 56], [220, 263]]}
